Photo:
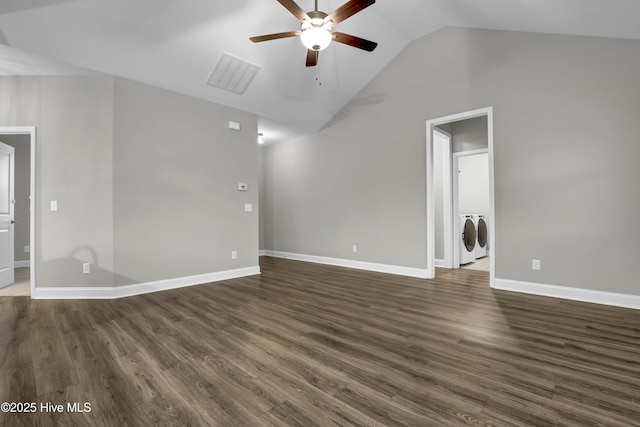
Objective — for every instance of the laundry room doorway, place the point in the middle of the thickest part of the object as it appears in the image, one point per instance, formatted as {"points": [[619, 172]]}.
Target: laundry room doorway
{"points": [[453, 194], [470, 196]]}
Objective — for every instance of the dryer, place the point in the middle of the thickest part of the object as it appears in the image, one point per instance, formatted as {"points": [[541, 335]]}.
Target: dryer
{"points": [[482, 235], [467, 240]]}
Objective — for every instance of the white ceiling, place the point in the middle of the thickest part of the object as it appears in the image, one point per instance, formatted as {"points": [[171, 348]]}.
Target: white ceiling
{"points": [[175, 44]]}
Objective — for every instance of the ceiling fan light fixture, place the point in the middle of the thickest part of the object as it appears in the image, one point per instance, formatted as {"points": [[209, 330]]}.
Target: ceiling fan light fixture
{"points": [[316, 38], [316, 28]]}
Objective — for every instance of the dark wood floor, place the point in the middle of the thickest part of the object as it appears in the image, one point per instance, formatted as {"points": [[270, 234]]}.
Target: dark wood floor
{"points": [[305, 345]]}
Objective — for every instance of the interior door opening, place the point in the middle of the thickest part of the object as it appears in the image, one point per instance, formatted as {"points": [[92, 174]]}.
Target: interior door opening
{"points": [[22, 140], [470, 189], [449, 255]]}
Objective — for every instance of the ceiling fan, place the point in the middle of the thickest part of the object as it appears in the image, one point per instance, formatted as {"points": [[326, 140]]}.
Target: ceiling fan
{"points": [[316, 28]]}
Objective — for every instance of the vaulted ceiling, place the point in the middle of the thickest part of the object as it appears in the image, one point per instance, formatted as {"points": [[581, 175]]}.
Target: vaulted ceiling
{"points": [[176, 44]]}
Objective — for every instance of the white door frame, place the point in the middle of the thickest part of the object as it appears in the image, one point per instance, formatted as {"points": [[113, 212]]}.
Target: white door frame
{"points": [[31, 131], [454, 190], [446, 198], [431, 124], [7, 228]]}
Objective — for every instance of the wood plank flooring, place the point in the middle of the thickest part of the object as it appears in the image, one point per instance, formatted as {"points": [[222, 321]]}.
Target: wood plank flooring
{"points": [[313, 345]]}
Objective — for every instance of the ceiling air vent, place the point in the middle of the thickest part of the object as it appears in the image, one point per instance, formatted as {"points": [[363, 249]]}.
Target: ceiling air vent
{"points": [[232, 73]]}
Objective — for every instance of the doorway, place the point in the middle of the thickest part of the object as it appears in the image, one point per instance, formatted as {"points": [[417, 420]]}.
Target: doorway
{"points": [[451, 228], [470, 189], [23, 138]]}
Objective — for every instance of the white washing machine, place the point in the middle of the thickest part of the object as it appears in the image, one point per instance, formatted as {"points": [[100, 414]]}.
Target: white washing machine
{"points": [[482, 235], [468, 239]]}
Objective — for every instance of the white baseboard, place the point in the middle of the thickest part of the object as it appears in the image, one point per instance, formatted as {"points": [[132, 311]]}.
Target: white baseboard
{"points": [[140, 288], [21, 264], [438, 262], [360, 265], [262, 252], [575, 294]]}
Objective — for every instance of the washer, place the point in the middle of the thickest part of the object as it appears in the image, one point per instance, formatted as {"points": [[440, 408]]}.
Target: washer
{"points": [[468, 239], [482, 235]]}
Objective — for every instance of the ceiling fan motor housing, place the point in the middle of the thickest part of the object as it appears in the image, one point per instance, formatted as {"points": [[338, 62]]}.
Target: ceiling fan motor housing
{"points": [[316, 32], [317, 16]]}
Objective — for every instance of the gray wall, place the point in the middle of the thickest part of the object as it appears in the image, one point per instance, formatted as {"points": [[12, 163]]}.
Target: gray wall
{"points": [[145, 180], [75, 169], [22, 145], [566, 148], [177, 210], [325, 193]]}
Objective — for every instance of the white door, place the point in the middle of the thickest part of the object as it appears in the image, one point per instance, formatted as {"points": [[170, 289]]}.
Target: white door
{"points": [[6, 214]]}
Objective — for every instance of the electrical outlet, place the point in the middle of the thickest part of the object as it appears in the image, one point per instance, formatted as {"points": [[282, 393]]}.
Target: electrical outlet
{"points": [[248, 207], [354, 248], [27, 249], [535, 264], [234, 255], [53, 205], [86, 268]]}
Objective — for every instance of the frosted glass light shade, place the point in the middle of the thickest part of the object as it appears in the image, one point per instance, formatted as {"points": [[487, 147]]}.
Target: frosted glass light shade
{"points": [[316, 38]]}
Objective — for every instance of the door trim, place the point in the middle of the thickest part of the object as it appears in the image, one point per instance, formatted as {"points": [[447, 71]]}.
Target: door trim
{"points": [[31, 131], [430, 126], [8, 229], [447, 201]]}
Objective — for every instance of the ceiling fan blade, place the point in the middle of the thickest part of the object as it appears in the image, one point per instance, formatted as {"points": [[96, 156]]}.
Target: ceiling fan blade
{"points": [[348, 9], [296, 10], [312, 58], [354, 41], [275, 36]]}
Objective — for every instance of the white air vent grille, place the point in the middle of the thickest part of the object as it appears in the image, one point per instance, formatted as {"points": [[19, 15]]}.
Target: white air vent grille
{"points": [[232, 73]]}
